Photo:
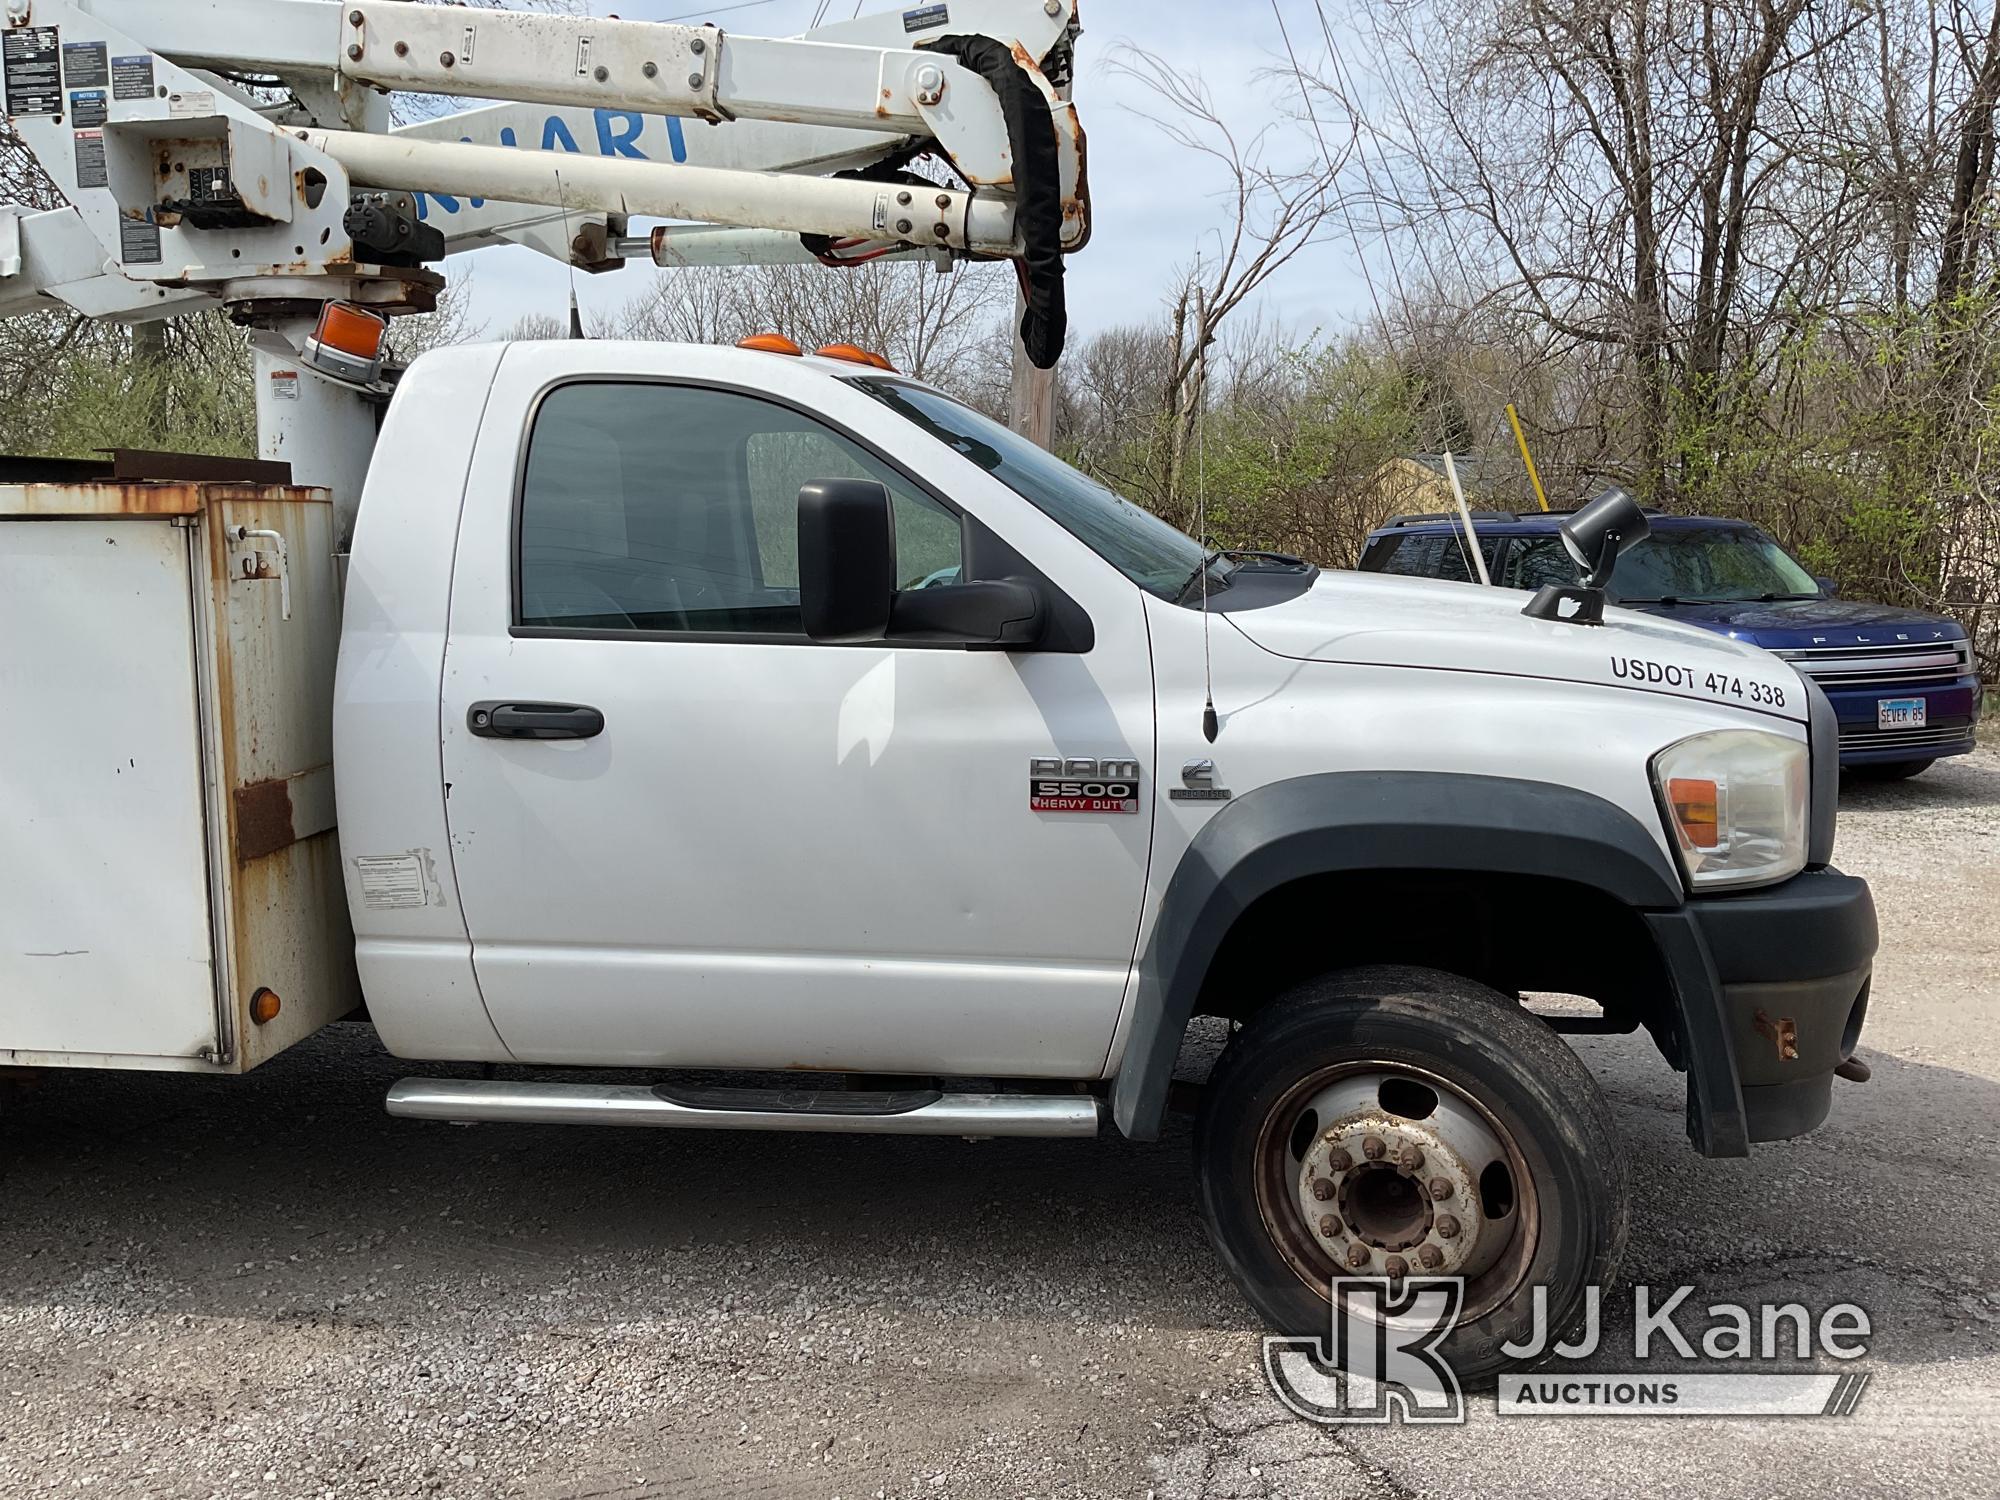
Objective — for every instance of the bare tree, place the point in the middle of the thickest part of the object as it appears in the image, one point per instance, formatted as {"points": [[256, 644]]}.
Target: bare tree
{"points": [[1273, 213]]}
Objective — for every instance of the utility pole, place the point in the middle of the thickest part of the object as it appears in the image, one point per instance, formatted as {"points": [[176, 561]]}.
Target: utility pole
{"points": [[1031, 403]]}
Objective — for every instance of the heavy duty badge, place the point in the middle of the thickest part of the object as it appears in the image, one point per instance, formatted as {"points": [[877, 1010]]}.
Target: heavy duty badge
{"points": [[1082, 785]]}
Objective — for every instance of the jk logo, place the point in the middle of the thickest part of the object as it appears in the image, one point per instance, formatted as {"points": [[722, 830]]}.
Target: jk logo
{"points": [[1381, 1356]]}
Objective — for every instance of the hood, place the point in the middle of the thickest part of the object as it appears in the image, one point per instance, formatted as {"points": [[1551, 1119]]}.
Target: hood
{"points": [[1381, 619], [1790, 624]]}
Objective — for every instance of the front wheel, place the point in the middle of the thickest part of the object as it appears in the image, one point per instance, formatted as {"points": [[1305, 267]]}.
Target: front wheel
{"points": [[1392, 1122]]}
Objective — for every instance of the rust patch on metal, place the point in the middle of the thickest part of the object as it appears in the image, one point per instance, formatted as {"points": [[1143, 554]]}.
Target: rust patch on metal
{"points": [[1782, 1033], [263, 819]]}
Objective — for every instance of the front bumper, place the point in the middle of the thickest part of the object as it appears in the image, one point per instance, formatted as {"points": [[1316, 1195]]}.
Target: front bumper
{"points": [[1951, 718], [1785, 970]]}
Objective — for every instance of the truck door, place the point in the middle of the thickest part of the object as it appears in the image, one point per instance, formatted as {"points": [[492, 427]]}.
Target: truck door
{"points": [[723, 844]]}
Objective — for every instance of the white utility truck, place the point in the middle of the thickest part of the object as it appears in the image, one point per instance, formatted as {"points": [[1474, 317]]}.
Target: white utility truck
{"points": [[742, 710]]}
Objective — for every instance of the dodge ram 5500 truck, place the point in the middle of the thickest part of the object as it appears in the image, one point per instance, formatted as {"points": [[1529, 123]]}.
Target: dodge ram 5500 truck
{"points": [[716, 709]]}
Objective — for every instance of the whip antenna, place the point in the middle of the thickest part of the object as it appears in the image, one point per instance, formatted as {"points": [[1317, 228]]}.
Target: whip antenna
{"points": [[1209, 725], [575, 313]]}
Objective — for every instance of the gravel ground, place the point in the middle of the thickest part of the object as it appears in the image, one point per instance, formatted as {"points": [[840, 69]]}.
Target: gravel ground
{"points": [[265, 1287]]}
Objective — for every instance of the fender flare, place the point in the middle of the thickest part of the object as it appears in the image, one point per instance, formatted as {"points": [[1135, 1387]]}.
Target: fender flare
{"points": [[1346, 821]]}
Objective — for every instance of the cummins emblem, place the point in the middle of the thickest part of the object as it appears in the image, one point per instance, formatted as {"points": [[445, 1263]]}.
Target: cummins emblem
{"points": [[1079, 784]]}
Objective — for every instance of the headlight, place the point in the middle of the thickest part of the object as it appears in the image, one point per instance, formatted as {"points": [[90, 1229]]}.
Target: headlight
{"points": [[1735, 805]]}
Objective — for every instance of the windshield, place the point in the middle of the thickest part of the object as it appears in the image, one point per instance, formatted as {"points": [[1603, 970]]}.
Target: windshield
{"points": [[1134, 541], [1709, 563]]}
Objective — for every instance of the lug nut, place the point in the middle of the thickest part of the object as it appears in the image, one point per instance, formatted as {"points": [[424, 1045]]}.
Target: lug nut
{"points": [[941, 231], [1357, 1256], [1329, 1225], [354, 52], [1431, 1256], [1397, 1267], [354, 18], [1409, 1158], [902, 226], [697, 46], [1374, 1147], [904, 197], [944, 200], [1447, 1227], [1323, 1188], [1440, 1188], [694, 80], [1340, 1159]]}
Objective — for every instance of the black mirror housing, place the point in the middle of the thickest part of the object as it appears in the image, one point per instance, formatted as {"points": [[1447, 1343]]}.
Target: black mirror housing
{"points": [[847, 560], [1829, 588], [999, 612]]}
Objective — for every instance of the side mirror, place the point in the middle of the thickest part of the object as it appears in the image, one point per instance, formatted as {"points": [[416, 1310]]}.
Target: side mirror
{"points": [[847, 560], [1829, 588], [1594, 537], [992, 612]]}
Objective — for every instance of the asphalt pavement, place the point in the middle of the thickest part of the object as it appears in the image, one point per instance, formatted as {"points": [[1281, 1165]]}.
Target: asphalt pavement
{"points": [[266, 1287]]}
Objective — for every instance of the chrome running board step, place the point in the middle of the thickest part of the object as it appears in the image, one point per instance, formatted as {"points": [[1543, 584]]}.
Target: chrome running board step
{"points": [[902, 1112]]}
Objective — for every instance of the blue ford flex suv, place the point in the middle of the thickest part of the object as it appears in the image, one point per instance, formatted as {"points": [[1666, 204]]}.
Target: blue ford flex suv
{"points": [[1904, 684]]}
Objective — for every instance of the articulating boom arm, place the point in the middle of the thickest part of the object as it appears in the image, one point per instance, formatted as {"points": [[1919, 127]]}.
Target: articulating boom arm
{"points": [[156, 120]]}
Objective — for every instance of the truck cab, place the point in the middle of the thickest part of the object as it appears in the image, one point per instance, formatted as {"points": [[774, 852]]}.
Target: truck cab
{"points": [[726, 709]]}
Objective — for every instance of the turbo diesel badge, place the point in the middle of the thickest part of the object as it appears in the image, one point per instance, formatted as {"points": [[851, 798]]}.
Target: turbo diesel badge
{"points": [[1080, 784]]}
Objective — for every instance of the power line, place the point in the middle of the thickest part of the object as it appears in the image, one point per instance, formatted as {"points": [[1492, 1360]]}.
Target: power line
{"points": [[1345, 212], [714, 10]]}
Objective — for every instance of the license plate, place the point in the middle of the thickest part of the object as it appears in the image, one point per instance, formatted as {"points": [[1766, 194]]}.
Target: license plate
{"points": [[1899, 713]]}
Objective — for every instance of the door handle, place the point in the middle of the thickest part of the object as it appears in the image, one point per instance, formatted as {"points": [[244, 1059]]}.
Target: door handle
{"points": [[533, 721]]}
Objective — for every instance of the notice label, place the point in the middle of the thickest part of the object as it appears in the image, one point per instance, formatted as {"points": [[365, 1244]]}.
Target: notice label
{"points": [[284, 385], [138, 242], [90, 170], [925, 17], [391, 882], [85, 65], [28, 64], [88, 108], [132, 77]]}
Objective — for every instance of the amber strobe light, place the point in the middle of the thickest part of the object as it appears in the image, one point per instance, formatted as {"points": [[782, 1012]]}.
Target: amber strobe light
{"points": [[770, 343], [1695, 803], [347, 344], [264, 1006]]}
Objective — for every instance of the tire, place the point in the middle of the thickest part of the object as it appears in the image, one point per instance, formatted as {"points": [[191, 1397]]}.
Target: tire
{"points": [[1891, 770], [1491, 1066]]}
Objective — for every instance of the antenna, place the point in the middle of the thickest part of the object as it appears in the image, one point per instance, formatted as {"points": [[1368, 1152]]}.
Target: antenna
{"points": [[1209, 724], [575, 313]]}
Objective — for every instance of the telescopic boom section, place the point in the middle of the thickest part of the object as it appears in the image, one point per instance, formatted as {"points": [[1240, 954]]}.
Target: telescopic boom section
{"points": [[188, 182]]}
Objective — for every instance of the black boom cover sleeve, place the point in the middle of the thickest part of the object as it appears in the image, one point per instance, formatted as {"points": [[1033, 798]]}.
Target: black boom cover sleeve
{"points": [[1037, 187]]}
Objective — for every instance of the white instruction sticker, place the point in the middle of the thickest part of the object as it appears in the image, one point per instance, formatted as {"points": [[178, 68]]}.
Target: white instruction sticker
{"points": [[390, 882], [284, 385]]}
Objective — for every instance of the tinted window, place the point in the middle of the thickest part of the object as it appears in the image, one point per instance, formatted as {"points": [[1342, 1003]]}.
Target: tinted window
{"points": [[1438, 555], [1536, 560], [660, 507]]}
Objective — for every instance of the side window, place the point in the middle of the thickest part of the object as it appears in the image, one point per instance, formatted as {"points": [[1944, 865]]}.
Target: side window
{"points": [[1537, 560], [663, 507], [1438, 555]]}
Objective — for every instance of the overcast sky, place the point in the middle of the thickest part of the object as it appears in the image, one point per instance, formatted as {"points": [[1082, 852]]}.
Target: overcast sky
{"points": [[1153, 206]]}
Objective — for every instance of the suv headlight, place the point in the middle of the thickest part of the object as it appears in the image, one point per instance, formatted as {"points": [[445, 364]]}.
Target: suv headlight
{"points": [[1735, 805]]}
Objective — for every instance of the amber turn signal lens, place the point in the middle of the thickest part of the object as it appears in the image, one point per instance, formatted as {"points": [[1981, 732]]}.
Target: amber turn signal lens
{"points": [[350, 329], [264, 1006], [770, 343], [1695, 803]]}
